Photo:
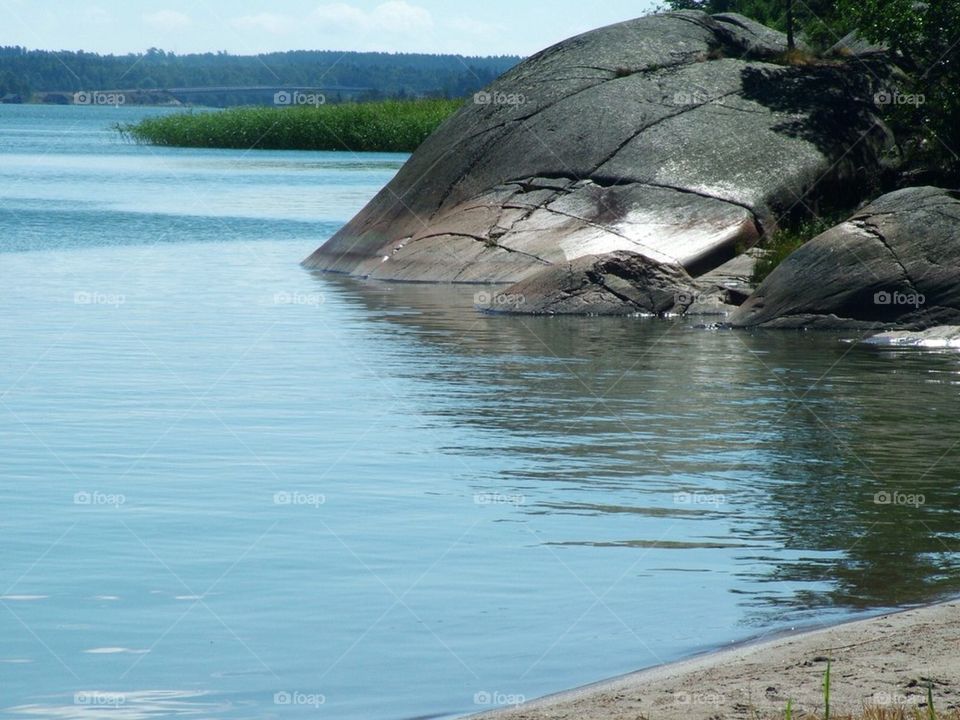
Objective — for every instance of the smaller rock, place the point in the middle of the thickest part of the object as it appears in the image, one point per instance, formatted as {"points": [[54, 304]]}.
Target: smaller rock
{"points": [[895, 265], [942, 336], [619, 283]]}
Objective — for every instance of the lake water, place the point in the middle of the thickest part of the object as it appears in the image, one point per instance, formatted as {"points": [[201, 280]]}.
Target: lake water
{"points": [[228, 484]]}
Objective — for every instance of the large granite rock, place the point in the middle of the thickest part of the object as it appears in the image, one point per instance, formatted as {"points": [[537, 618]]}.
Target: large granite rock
{"points": [[893, 265], [670, 136]]}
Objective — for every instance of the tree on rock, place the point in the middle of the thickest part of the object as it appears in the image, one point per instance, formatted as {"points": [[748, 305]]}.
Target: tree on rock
{"points": [[924, 40]]}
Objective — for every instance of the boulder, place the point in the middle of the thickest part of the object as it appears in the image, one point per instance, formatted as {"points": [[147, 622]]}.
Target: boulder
{"points": [[671, 136], [619, 283], [893, 265]]}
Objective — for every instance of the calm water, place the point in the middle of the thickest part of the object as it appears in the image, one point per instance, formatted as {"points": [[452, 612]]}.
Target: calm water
{"points": [[227, 483]]}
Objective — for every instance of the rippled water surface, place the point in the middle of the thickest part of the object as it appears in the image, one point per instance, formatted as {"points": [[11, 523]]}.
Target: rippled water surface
{"points": [[228, 484]]}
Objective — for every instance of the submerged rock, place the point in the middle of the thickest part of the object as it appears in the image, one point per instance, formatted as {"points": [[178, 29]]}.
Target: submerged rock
{"points": [[619, 283], [893, 265], [939, 337], [670, 136]]}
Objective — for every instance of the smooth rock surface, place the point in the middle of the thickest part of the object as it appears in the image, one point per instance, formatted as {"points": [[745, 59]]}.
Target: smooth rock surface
{"points": [[669, 136], [893, 265]]}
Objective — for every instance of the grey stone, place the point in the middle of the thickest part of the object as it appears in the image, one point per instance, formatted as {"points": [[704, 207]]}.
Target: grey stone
{"points": [[893, 265], [619, 283], [664, 136], [938, 337]]}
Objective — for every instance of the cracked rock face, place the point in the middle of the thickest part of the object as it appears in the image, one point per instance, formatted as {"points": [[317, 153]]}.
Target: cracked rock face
{"points": [[893, 265], [670, 136]]}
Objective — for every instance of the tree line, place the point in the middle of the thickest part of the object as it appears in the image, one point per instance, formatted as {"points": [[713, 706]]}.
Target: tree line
{"points": [[377, 75]]}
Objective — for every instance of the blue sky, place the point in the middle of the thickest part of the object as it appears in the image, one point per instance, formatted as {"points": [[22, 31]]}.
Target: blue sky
{"points": [[480, 27]]}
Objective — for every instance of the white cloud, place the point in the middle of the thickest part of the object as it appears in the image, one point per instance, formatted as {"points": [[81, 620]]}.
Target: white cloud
{"points": [[167, 20], [393, 16], [398, 15], [271, 23], [339, 16]]}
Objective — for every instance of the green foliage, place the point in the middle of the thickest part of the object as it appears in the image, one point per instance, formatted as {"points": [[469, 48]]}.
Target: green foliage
{"points": [[815, 19], [826, 692], [786, 241], [356, 74], [923, 39], [387, 126]]}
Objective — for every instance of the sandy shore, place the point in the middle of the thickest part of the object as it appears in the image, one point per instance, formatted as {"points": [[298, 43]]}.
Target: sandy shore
{"points": [[887, 660]]}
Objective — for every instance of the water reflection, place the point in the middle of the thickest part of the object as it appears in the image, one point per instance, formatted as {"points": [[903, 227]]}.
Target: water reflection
{"points": [[830, 467]]}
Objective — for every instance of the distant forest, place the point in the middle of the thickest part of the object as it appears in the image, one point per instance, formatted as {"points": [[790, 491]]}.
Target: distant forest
{"points": [[360, 75]]}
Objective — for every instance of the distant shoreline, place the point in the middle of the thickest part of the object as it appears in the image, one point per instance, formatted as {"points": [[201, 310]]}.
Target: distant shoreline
{"points": [[883, 661]]}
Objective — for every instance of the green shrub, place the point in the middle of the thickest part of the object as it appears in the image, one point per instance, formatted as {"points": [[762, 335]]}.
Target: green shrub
{"points": [[787, 240]]}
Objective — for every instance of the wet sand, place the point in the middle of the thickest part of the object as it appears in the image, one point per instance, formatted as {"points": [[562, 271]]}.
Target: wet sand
{"points": [[882, 661]]}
